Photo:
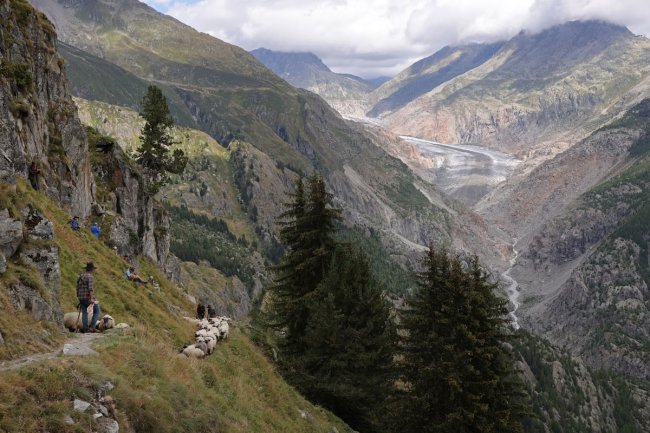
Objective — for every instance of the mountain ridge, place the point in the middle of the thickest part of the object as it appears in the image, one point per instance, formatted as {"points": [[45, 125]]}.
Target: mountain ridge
{"points": [[307, 71]]}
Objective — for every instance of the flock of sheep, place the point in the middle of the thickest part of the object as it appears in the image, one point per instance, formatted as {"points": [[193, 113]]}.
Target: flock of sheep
{"points": [[209, 333]]}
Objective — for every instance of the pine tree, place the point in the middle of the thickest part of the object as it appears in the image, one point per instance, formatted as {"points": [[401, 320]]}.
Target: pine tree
{"points": [[347, 362], [155, 142], [457, 374], [308, 228]]}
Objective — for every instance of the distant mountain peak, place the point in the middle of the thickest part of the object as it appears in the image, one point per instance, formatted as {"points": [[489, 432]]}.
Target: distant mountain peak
{"points": [[284, 60]]}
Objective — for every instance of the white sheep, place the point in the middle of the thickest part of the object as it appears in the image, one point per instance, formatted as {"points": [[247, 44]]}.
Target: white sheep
{"points": [[70, 321], [211, 343], [202, 346], [106, 322], [224, 330], [192, 351]]}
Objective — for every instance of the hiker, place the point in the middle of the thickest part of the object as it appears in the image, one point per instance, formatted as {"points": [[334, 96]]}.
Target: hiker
{"points": [[95, 230], [86, 296], [212, 313], [131, 275], [74, 223], [34, 173], [200, 311]]}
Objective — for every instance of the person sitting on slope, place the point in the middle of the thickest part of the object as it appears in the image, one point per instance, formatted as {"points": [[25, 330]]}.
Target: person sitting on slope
{"points": [[132, 276]]}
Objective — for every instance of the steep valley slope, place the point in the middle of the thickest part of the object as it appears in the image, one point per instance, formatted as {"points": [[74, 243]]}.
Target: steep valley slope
{"points": [[584, 273], [345, 93], [234, 98], [235, 390]]}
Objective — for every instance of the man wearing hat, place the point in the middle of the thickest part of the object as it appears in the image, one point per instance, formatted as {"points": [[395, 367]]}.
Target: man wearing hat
{"points": [[85, 286]]}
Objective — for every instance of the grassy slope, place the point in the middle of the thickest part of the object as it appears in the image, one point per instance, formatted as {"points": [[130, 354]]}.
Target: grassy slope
{"points": [[235, 390], [92, 76]]}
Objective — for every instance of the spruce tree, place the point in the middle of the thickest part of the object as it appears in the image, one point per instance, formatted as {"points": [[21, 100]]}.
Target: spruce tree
{"points": [[349, 341], [456, 372], [155, 142], [307, 231]]}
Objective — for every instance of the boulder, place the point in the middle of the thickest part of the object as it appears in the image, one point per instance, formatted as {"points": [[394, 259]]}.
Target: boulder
{"points": [[80, 405], [3, 264], [107, 425], [36, 226], [11, 233], [28, 298], [45, 259]]}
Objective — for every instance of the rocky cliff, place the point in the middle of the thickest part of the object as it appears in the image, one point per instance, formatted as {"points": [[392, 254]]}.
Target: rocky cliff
{"points": [[137, 223], [585, 276], [39, 124], [38, 120]]}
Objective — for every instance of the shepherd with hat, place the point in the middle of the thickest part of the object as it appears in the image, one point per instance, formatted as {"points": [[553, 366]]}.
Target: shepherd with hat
{"points": [[86, 296]]}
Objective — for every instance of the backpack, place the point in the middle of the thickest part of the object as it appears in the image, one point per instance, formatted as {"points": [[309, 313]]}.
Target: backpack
{"points": [[79, 285]]}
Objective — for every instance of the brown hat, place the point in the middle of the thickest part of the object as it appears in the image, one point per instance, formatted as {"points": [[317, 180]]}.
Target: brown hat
{"points": [[90, 266]]}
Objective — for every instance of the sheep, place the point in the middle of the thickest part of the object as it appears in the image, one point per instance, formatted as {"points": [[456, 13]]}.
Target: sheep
{"points": [[211, 343], [106, 322], [224, 330], [70, 321], [202, 346], [192, 351]]}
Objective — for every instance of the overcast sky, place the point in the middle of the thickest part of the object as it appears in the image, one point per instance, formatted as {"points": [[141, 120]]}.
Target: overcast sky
{"points": [[381, 37]]}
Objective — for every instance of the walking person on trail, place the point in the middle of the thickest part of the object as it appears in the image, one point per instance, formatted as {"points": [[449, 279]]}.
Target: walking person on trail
{"points": [[95, 230], [86, 296]]}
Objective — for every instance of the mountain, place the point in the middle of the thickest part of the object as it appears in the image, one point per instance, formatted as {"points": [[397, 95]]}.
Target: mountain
{"points": [[556, 85], [343, 92], [234, 98], [587, 267], [133, 378]]}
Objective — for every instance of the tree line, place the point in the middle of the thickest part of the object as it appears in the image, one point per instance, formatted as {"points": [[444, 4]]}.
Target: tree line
{"points": [[440, 363]]}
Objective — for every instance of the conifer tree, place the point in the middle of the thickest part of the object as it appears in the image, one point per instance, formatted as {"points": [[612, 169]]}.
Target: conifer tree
{"points": [[155, 142], [347, 362], [308, 228], [456, 372]]}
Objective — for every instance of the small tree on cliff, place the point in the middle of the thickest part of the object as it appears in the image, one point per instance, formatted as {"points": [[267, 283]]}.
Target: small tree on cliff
{"points": [[154, 153]]}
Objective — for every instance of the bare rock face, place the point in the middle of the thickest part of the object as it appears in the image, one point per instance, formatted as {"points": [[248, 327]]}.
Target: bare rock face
{"points": [[141, 225], [28, 298], [11, 233], [614, 321], [46, 261], [36, 226], [38, 120]]}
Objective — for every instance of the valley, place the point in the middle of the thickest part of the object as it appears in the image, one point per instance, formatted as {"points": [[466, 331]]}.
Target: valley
{"points": [[530, 153]]}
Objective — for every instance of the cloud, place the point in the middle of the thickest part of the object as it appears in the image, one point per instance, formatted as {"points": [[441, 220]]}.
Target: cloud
{"points": [[379, 37]]}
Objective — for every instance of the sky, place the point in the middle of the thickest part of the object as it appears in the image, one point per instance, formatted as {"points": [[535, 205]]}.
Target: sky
{"points": [[372, 38]]}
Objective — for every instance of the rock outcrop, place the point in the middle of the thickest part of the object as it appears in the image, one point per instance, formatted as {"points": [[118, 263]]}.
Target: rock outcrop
{"points": [[38, 120], [138, 223]]}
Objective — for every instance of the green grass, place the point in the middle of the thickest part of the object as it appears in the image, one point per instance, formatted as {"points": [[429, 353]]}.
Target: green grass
{"points": [[235, 390]]}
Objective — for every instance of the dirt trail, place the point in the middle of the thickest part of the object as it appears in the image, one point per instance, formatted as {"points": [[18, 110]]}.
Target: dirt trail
{"points": [[78, 346]]}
